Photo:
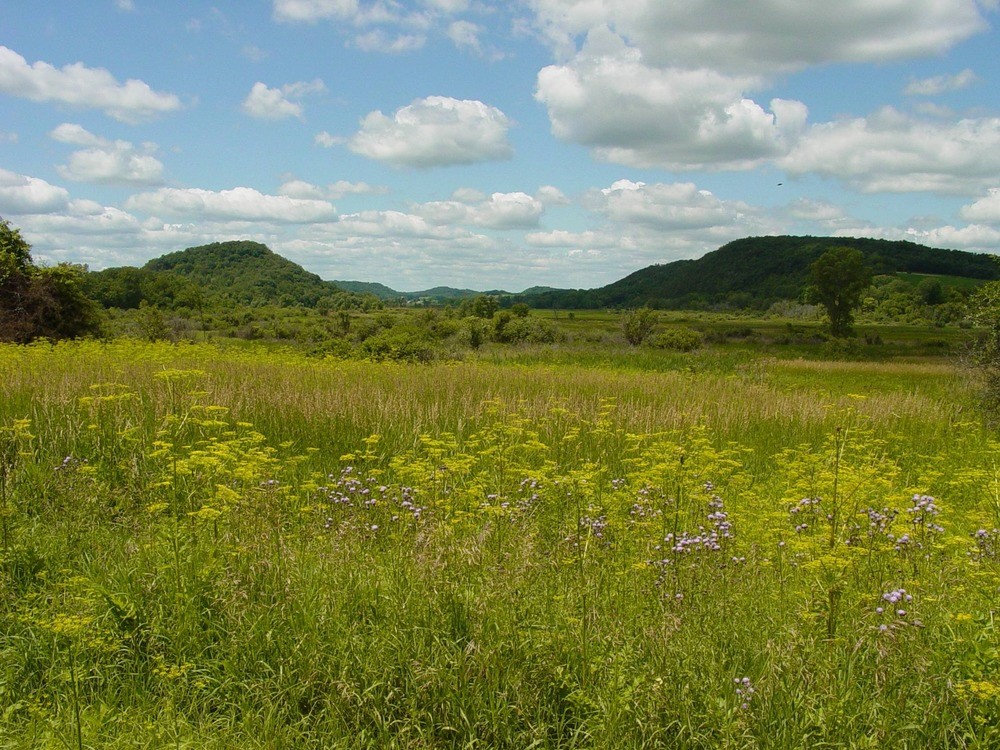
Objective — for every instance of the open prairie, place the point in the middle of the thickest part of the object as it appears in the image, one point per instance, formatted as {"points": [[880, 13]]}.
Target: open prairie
{"points": [[240, 546]]}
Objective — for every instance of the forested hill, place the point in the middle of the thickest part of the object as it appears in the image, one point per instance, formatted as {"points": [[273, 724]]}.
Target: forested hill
{"points": [[246, 272], [757, 271]]}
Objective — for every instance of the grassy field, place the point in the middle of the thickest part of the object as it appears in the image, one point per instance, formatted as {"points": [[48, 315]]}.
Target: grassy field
{"points": [[222, 546]]}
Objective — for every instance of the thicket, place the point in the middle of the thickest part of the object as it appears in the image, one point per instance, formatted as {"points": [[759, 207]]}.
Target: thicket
{"points": [[40, 302]]}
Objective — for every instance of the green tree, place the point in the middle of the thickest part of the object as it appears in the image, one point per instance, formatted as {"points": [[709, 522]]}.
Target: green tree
{"points": [[485, 306], [40, 302], [985, 313], [638, 324], [838, 279]]}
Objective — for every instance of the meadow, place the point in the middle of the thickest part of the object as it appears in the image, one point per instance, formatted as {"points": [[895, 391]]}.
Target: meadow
{"points": [[241, 546]]}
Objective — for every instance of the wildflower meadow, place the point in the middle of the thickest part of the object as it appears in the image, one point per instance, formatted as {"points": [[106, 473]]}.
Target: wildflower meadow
{"points": [[244, 547]]}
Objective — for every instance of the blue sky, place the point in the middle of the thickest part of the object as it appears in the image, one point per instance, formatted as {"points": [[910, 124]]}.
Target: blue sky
{"points": [[495, 145]]}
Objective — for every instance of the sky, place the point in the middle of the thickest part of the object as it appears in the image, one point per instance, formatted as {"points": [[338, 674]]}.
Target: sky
{"points": [[495, 145]]}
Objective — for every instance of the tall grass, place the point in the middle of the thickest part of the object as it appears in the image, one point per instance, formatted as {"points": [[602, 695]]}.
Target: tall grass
{"points": [[248, 548]]}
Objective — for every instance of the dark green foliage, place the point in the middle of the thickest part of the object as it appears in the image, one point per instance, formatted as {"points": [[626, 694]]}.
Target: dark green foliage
{"points": [[484, 306], [40, 302], [638, 324], [986, 351], [758, 271], [246, 272], [404, 342], [837, 279], [677, 340]]}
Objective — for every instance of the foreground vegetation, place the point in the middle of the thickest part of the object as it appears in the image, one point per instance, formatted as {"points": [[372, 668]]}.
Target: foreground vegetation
{"points": [[243, 546]]}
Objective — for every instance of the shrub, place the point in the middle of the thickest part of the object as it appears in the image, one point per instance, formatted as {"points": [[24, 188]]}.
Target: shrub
{"points": [[407, 343], [638, 324], [677, 340]]}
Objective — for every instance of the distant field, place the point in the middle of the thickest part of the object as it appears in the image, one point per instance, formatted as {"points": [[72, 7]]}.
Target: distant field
{"points": [[755, 544]]}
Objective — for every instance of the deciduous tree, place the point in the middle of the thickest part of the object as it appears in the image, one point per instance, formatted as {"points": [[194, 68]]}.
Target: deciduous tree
{"points": [[838, 278]]}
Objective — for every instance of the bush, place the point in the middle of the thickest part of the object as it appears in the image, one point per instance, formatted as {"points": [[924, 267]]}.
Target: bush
{"points": [[406, 343], [638, 324], [677, 340], [530, 330]]}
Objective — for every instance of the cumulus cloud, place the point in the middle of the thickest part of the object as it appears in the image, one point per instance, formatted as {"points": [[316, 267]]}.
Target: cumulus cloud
{"points": [[80, 86], [975, 237], [558, 238], [333, 191], [239, 204], [551, 196], [21, 194], [767, 35], [894, 152], [630, 113], [986, 209], [499, 211], [433, 132], [940, 84], [280, 103], [106, 162], [675, 206], [822, 212]]}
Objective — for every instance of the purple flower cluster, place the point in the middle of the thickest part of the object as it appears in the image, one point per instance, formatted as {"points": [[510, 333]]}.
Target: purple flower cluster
{"points": [[804, 512], [707, 540], [645, 506], [350, 491], [923, 512], [69, 463], [987, 545], [744, 691], [893, 605]]}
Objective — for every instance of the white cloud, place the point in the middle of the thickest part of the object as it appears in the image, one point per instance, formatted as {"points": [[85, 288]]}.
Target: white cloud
{"points": [[107, 162], [767, 35], [333, 191], [239, 204], [975, 237], [348, 11], [379, 41], [327, 140], [893, 152], [21, 194], [986, 209], [499, 211], [822, 212], [126, 6], [432, 132], [940, 84], [630, 113], [315, 10], [448, 6], [6, 137], [80, 86], [589, 240], [465, 35], [677, 206], [278, 104], [552, 196]]}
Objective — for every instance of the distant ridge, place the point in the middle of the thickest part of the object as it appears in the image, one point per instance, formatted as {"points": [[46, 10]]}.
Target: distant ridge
{"points": [[757, 271], [245, 272]]}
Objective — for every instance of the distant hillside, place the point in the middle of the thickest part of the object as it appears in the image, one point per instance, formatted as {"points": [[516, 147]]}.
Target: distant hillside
{"points": [[246, 272], [757, 271], [369, 287]]}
